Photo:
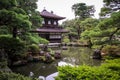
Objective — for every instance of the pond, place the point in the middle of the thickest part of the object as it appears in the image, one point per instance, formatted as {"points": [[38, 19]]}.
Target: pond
{"points": [[72, 56]]}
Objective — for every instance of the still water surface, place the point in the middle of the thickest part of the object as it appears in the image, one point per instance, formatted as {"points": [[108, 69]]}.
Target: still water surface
{"points": [[73, 56]]}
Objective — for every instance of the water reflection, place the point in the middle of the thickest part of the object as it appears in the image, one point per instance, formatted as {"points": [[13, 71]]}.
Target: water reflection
{"points": [[73, 56], [39, 69], [79, 56]]}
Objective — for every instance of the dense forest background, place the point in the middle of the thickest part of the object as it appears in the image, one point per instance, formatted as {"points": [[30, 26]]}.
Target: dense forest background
{"points": [[102, 33]]}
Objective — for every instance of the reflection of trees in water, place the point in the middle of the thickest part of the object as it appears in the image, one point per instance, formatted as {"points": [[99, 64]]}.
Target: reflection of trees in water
{"points": [[79, 56], [83, 56], [37, 68]]}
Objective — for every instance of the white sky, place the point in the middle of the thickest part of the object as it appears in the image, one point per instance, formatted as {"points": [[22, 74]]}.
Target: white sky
{"points": [[63, 7]]}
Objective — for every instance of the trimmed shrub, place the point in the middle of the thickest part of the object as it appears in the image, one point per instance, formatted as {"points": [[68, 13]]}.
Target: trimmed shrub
{"points": [[33, 49], [107, 71]]}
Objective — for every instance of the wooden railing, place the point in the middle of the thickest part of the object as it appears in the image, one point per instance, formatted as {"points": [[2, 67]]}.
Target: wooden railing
{"points": [[52, 27]]}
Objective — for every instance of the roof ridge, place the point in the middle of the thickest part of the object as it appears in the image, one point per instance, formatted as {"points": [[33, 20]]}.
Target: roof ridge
{"points": [[45, 13]]}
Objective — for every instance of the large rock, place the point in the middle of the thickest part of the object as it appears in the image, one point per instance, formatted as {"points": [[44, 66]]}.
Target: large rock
{"points": [[97, 54], [57, 55], [48, 57]]}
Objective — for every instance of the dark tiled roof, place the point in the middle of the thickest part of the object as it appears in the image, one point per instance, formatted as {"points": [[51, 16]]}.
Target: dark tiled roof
{"points": [[50, 30], [47, 14]]}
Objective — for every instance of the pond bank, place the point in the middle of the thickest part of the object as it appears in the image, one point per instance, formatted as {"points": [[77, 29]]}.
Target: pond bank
{"points": [[73, 55]]}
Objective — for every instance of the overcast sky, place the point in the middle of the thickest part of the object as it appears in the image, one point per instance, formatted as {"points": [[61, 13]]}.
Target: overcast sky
{"points": [[63, 7]]}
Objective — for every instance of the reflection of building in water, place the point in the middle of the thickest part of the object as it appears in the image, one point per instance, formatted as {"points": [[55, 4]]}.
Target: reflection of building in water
{"points": [[50, 29]]}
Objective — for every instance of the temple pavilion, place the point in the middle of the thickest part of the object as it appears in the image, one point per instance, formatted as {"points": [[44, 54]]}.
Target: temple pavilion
{"points": [[50, 28]]}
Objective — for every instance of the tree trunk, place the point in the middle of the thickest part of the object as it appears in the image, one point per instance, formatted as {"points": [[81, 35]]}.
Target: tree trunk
{"points": [[14, 32], [90, 43], [102, 46], [78, 31], [110, 38]]}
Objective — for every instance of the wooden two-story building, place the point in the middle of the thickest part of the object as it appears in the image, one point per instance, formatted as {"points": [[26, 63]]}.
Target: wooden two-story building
{"points": [[50, 28]]}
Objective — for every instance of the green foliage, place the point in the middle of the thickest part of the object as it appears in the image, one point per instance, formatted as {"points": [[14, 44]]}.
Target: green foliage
{"points": [[30, 6], [89, 30], [89, 27], [103, 25], [110, 1], [89, 23], [74, 28], [108, 71], [3, 63], [34, 39], [115, 17], [111, 51], [36, 20], [18, 10], [34, 49], [7, 4], [110, 6], [12, 47], [37, 39], [4, 30], [43, 41], [30, 38], [106, 32], [13, 76], [66, 40], [83, 11], [104, 11], [14, 18]]}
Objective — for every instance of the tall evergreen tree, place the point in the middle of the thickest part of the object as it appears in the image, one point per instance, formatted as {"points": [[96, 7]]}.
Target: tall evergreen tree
{"points": [[107, 31], [30, 6], [74, 27], [83, 11], [89, 29], [110, 6], [13, 17]]}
